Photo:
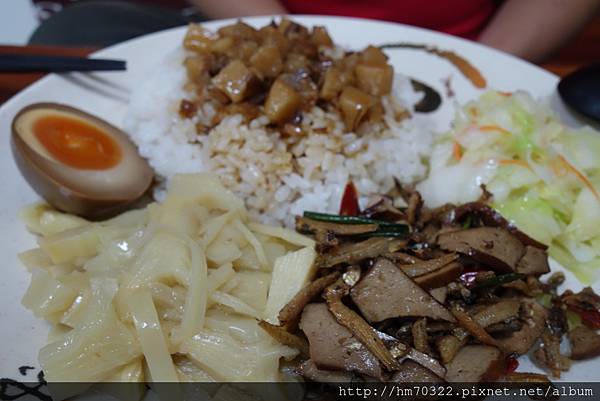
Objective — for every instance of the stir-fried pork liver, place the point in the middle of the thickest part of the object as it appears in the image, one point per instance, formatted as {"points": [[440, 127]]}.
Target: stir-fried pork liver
{"points": [[493, 246], [386, 292], [585, 343], [412, 372], [332, 346], [439, 277], [475, 363], [534, 318], [414, 296], [534, 261], [310, 370]]}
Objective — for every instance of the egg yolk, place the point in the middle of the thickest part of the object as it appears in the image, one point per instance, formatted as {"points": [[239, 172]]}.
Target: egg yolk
{"points": [[76, 143]]}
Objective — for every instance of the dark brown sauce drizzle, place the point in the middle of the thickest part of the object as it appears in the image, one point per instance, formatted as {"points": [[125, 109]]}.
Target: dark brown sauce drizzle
{"points": [[23, 370], [463, 65], [11, 389]]}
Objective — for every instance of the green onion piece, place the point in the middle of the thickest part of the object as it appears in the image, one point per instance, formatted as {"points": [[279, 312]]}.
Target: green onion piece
{"points": [[545, 300], [390, 234], [498, 280], [573, 319], [335, 218], [398, 228], [384, 229]]}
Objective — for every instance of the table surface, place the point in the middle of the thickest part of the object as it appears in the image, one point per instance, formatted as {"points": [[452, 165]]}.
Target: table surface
{"points": [[583, 50]]}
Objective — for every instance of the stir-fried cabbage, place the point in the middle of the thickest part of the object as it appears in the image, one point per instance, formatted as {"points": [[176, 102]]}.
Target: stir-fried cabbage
{"points": [[545, 177], [168, 293]]}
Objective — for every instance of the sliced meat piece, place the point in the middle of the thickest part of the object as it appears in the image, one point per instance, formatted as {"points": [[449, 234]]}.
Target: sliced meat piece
{"points": [[495, 247], [498, 312], [310, 370], [475, 363], [403, 352], [471, 326], [290, 313], [412, 372], [438, 216], [426, 361], [386, 292], [534, 261], [440, 277], [385, 210], [420, 337], [548, 355], [401, 257], [418, 268], [439, 294], [332, 346], [585, 342], [491, 218], [534, 318], [505, 328], [355, 252], [448, 346], [585, 303], [363, 332]]}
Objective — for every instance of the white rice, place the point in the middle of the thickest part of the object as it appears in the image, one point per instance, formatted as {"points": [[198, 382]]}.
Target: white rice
{"points": [[278, 178]]}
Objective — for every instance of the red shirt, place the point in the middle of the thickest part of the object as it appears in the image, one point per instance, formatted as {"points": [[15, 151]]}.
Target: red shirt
{"points": [[465, 18]]}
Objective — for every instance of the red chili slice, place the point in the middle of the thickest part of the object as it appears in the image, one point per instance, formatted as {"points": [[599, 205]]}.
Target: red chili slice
{"points": [[591, 318], [511, 364], [349, 205]]}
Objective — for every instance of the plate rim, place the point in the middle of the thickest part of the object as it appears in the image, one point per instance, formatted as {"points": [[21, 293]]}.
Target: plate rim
{"points": [[334, 18], [451, 43]]}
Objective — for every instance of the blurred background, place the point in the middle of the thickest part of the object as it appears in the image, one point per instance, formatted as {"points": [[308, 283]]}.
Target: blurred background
{"points": [[17, 21], [561, 35]]}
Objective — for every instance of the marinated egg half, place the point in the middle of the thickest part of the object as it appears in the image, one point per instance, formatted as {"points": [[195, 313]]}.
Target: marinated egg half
{"points": [[79, 163]]}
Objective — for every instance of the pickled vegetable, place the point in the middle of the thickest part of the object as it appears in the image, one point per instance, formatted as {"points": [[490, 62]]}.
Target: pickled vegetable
{"points": [[236, 81], [267, 61], [354, 105], [282, 103], [376, 80]]}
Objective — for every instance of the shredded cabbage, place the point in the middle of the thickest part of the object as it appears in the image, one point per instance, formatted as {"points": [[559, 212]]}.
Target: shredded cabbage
{"points": [[545, 176]]}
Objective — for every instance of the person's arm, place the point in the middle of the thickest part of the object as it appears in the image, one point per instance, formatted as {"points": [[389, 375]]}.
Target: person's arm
{"points": [[238, 8], [534, 29]]}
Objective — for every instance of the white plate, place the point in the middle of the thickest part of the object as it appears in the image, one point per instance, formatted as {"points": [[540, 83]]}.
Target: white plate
{"points": [[106, 95]]}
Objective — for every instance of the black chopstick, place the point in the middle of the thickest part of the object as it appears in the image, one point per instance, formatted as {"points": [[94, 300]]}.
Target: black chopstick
{"points": [[34, 63]]}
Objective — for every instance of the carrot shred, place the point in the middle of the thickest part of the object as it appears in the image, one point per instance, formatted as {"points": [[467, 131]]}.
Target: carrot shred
{"points": [[558, 167], [473, 111], [456, 151], [581, 176], [464, 66], [505, 162], [493, 128], [507, 94]]}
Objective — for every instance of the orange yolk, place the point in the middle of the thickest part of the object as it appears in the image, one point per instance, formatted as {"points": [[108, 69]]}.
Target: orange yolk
{"points": [[76, 143]]}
